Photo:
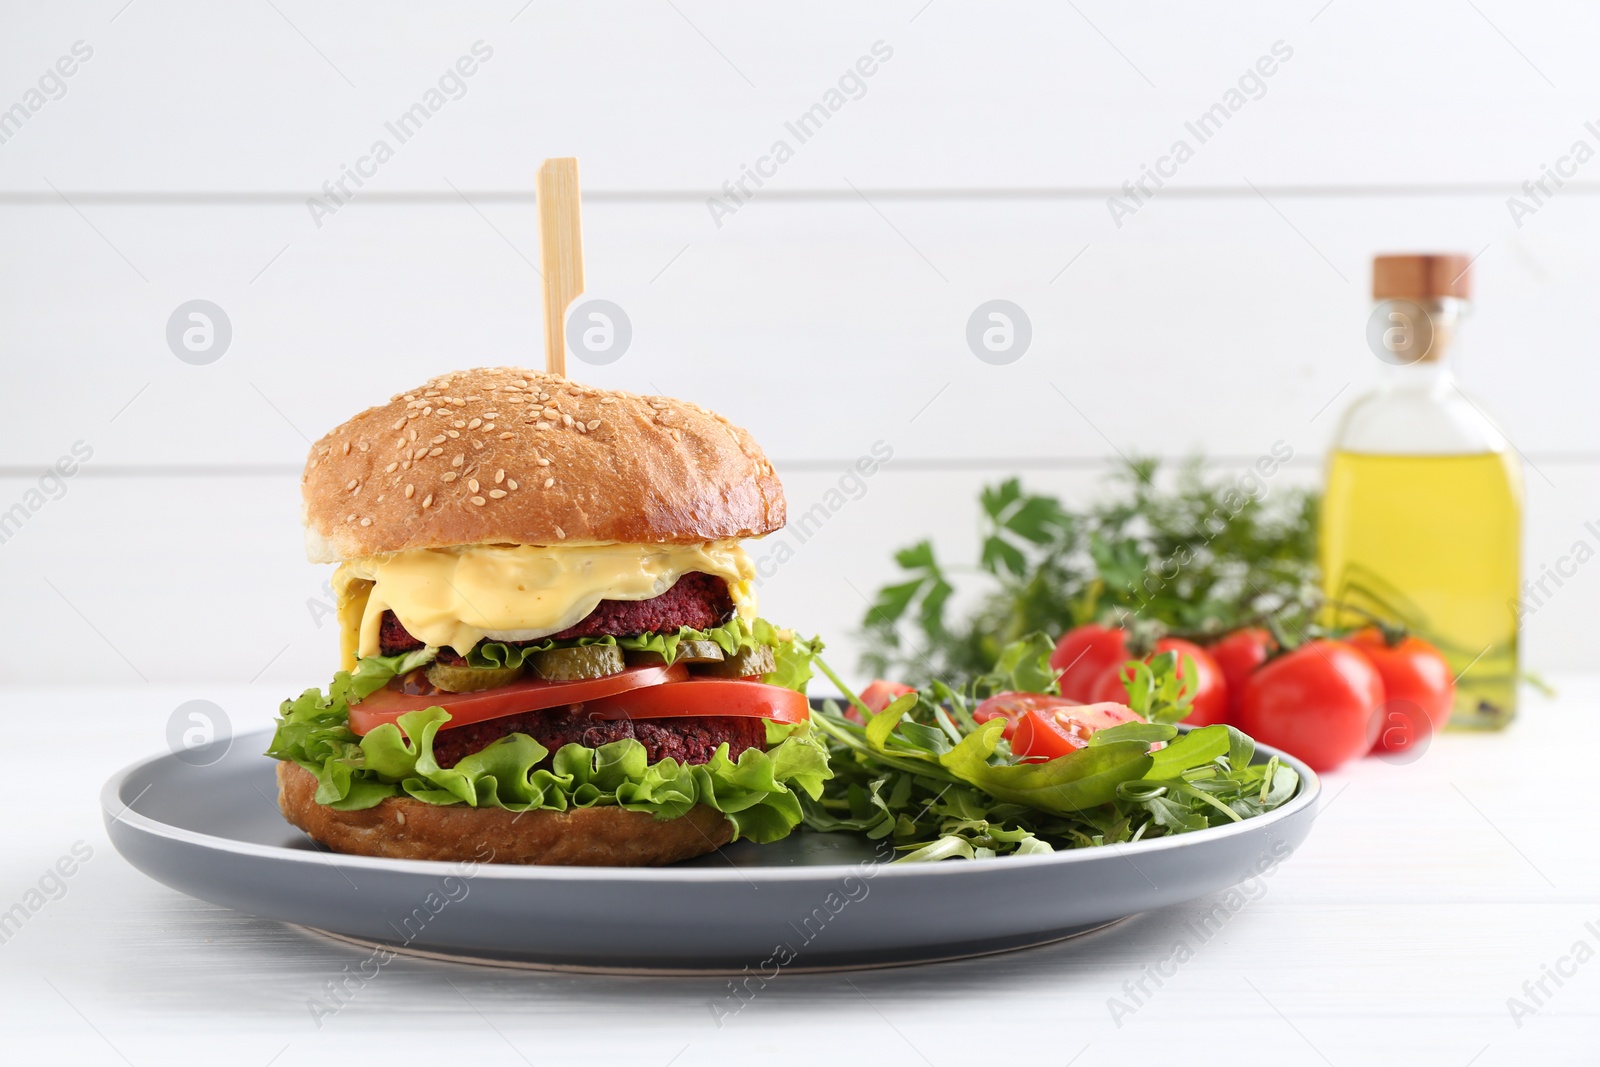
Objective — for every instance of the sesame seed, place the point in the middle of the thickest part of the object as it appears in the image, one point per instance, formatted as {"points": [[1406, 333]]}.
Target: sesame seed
{"points": [[491, 414], [347, 448], [507, 436], [608, 400], [458, 461], [541, 426], [543, 462], [511, 483], [548, 482], [363, 446], [488, 426], [439, 440], [566, 420], [581, 428], [478, 445], [399, 424], [459, 403], [405, 464], [411, 434], [448, 476], [410, 491], [474, 424], [366, 521], [499, 476], [594, 424], [351, 484], [496, 494], [478, 500], [435, 451], [390, 468], [428, 410], [472, 483], [350, 518], [427, 500], [561, 533], [460, 424], [419, 453]]}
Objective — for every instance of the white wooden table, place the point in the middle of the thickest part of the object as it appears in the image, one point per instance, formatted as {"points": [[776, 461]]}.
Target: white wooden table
{"points": [[1426, 897]]}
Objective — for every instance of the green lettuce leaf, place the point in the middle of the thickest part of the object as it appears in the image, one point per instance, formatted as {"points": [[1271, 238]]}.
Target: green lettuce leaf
{"points": [[760, 792], [730, 637]]}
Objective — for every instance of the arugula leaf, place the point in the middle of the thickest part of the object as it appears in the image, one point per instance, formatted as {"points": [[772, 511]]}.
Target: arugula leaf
{"points": [[1084, 779]]}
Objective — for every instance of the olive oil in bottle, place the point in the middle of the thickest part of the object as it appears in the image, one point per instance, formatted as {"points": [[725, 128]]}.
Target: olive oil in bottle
{"points": [[1422, 515]]}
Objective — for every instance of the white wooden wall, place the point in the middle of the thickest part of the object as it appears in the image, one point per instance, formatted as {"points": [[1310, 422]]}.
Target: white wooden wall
{"points": [[827, 313]]}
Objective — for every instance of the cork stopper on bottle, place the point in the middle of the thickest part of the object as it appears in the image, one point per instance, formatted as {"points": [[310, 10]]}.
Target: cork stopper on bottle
{"points": [[1422, 276]]}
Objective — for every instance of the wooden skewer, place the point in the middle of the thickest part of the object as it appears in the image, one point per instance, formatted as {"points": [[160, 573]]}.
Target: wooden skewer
{"points": [[561, 253]]}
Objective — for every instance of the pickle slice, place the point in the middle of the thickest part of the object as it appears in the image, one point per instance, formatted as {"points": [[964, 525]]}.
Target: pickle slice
{"points": [[745, 663], [470, 679], [577, 664], [699, 652], [688, 652]]}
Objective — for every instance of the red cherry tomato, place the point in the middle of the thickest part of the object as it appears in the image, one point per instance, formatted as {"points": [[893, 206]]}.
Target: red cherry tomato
{"points": [[1013, 706], [1316, 702], [878, 695], [387, 705], [704, 696], [1047, 732], [1208, 691], [1415, 676], [1237, 656], [1083, 654]]}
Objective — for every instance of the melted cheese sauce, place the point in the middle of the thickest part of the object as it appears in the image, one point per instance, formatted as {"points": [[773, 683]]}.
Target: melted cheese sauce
{"points": [[456, 597]]}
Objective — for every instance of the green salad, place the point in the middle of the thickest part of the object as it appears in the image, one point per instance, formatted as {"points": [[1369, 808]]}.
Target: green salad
{"points": [[938, 783]]}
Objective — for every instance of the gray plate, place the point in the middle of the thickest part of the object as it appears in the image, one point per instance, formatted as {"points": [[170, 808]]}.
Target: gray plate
{"points": [[812, 901]]}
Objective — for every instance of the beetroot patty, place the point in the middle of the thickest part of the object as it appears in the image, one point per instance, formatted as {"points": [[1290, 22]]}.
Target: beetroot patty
{"points": [[690, 739], [698, 601]]}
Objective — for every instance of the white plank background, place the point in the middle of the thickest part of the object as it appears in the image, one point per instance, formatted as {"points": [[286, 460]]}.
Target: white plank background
{"points": [[827, 314]]}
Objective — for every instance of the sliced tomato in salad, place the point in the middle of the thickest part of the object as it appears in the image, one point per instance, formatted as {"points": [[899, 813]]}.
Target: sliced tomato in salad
{"points": [[705, 696], [387, 705], [1045, 733], [1013, 706]]}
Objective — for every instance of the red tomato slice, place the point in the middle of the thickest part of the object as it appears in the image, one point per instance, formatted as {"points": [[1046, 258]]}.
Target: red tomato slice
{"points": [[878, 695], [1046, 733], [705, 696], [1013, 706], [387, 705]]}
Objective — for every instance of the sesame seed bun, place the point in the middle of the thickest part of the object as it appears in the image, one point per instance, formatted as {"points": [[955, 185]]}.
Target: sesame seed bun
{"points": [[509, 456], [407, 829]]}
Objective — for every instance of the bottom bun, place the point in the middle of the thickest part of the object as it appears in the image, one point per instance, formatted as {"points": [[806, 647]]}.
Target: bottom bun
{"points": [[407, 829]]}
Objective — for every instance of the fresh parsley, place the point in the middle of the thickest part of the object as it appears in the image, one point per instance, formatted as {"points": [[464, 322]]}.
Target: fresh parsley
{"points": [[1196, 556]]}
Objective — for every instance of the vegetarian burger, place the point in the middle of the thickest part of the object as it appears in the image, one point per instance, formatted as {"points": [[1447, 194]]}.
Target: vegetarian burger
{"points": [[551, 652]]}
